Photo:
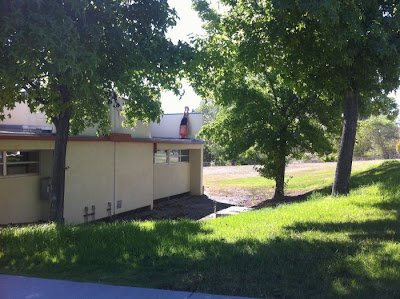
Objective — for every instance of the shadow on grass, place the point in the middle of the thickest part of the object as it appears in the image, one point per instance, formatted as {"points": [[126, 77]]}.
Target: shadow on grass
{"points": [[185, 255], [375, 263], [170, 256], [387, 174]]}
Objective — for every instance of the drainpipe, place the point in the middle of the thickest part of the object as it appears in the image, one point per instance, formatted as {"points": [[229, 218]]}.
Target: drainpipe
{"points": [[113, 125], [115, 161]]}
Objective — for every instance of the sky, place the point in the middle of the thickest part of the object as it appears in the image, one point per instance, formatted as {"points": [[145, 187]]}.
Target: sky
{"points": [[190, 24]]}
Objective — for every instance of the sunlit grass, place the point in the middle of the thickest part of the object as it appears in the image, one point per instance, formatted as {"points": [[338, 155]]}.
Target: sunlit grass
{"points": [[322, 247], [303, 179]]}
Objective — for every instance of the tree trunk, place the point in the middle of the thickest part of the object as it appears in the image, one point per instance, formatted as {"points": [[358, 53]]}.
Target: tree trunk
{"points": [[345, 159], [60, 150], [385, 153], [280, 179]]}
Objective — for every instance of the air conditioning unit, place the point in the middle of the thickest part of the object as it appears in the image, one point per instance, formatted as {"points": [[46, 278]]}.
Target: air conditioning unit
{"points": [[45, 188]]}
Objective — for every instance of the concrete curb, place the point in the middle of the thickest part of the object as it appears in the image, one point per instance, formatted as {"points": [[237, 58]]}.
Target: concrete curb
{"points": [[15, 287]]}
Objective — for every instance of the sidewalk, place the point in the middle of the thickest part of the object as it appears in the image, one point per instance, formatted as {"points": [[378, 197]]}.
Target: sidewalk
{"points": [[15, 287]]}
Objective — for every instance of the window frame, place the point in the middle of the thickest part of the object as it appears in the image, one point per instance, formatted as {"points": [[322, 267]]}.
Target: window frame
{"points": [[180, 155], [4, 163], [170, 157], [166, 157]]}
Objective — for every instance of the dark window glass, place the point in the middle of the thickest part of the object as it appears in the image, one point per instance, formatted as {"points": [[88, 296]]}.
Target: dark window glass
{"points": [[179, 156], [18, 156], [22, 162], [1, 163], [14, 169], [184, 155]]}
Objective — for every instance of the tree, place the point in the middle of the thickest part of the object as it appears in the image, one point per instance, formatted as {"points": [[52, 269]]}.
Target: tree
{"points": [[377, 135], [209, 111], [71, 59], [270, 119], [212, 150], [344, 50], [258, 111]]}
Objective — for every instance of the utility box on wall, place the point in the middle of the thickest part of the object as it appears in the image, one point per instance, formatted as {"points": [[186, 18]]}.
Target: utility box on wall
{"points": [[45, 188]]}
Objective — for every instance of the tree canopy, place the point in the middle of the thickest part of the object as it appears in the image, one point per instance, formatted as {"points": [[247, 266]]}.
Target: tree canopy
{"points": [[273, 122], [209, 110], [72, 59], [347, 51], [258, 110], [91, 48], [377, 137]]}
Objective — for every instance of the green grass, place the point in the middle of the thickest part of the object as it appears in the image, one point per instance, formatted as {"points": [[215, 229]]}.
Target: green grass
{"points": [[303, 179], [322, 247]]}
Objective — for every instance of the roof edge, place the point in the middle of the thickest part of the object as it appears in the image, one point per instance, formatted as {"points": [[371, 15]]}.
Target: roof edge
{"points": [[111, 138]]}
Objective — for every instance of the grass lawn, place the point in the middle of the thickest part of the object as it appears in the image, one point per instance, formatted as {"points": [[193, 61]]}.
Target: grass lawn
{"points": [[322, 247], [300, 178]]}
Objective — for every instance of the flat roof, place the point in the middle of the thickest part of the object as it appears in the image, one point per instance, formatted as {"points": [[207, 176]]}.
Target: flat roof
{"points": [[115, 137]]}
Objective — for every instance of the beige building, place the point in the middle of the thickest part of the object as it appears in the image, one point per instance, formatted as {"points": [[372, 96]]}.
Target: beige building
{"points": [[105, 176]]}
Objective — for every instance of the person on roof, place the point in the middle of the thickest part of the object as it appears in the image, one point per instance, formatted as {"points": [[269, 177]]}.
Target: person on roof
{"points": [[183, 129]]}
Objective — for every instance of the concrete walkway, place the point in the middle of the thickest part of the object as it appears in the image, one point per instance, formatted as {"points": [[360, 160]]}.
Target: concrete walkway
{"points": [[16, 287], [233, 210]]}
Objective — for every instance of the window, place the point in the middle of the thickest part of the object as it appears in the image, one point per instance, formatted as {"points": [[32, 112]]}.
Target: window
{"points": [[161, 157], [171, 157], [179, 156], [1, 164], [19, 162]]}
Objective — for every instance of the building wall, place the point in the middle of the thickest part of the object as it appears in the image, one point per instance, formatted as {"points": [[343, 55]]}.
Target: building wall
{"points": [[140, 131], [107, 172], [89, 180], [10, 145], [196, 171], [170, 123], [177, 178], [167, 128], [21, 115], [182, 146], [98, 172], [134, 176], [19, 199], [46, 169], [171, 179]]}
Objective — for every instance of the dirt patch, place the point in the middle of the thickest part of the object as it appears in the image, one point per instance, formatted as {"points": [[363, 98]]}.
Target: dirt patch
{"points": [[201, 207], [217, 198], [245, 171], [238, 196], [228, 172], [253, 197]]}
